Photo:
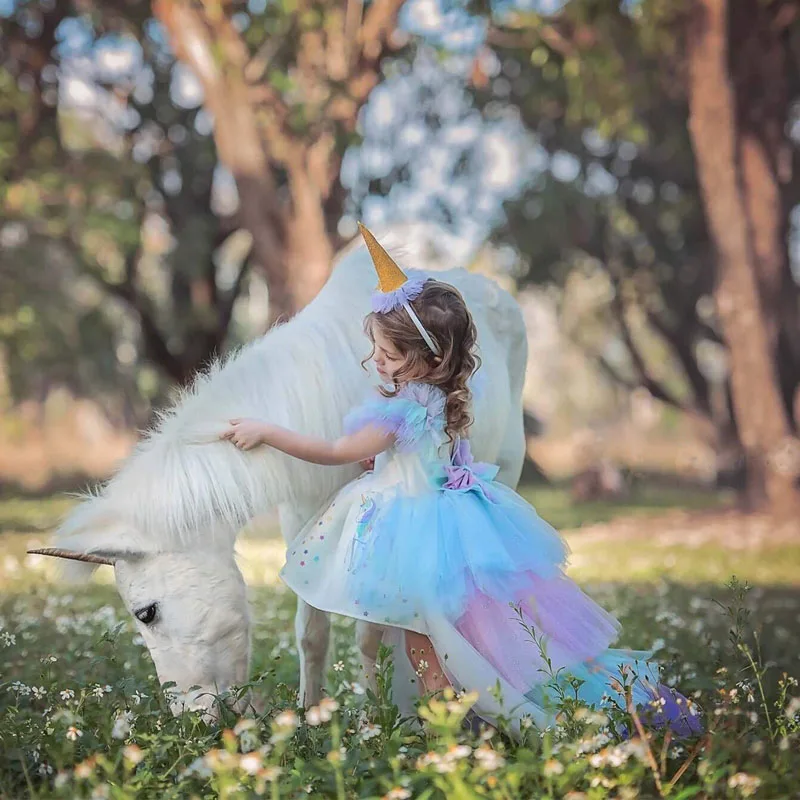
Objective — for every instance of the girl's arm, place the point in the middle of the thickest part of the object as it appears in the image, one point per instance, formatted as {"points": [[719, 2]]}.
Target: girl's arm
{"points": [[366, 443]]}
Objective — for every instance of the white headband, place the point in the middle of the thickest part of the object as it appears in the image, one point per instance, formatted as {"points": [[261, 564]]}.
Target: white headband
{"points": [[421, 328]]}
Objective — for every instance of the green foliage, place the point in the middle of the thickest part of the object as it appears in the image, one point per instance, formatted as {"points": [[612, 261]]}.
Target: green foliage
{"points": [[79, 696], [109, 238], [599, 87], [82, 714]]}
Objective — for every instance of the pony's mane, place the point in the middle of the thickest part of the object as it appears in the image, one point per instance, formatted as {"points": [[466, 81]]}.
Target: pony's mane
{"points": [[182, 484]]}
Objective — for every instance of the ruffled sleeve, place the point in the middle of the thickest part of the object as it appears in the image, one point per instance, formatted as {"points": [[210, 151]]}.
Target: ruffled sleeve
{"points": [[415, 411]]}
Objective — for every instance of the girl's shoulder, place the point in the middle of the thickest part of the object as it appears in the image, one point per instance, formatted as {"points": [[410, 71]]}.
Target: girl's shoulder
{"points": [[415, 410]]}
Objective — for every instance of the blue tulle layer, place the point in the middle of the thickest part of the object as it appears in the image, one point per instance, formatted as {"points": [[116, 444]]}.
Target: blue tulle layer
{"points": [[436, 549]]}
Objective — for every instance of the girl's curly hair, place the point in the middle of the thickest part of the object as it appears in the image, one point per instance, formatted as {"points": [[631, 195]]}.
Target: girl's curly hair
{"points": [[444, 314]]}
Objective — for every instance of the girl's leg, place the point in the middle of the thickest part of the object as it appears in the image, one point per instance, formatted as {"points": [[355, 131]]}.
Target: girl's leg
{"points": [[426, 663]]}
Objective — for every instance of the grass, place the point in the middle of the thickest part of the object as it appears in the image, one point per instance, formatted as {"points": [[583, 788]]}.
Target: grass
{"points": [[593, 560], [82, 714], [556, 506]]}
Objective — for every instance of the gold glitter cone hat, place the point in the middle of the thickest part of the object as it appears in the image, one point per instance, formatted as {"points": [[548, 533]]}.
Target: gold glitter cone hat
{"points": [[390, 276], [395, 288]]}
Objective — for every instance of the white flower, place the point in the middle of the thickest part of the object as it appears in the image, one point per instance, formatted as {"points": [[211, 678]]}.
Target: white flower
{"points": [[593, 743], [122, 725], [440, 764], [244, 724], [133, 754], [8, 638], [73, 733], [45, 769], [369, 731], [38, 692], [338, 666], [284, 725], [793, 707], [323, 712], [489, 759], [746, 784], [67, 694], [84, 769], [18, 687], [329, 704], [552, 767], [250, 763], [137, 697], [398, 793], [422, 667], [337, 756], [428, 759]]}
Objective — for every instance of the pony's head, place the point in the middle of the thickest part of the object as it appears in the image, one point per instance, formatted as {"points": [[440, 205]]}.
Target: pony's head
{"points": [[189, 605]]}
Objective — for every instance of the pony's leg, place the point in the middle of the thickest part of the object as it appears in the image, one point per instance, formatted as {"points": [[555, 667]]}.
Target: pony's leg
{"points": [[368, 638], [312, 627]]}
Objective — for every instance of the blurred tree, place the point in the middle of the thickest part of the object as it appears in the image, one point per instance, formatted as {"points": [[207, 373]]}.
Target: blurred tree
{"points": [[604, 89], [285, 87], [737, 122], [108, 222]]}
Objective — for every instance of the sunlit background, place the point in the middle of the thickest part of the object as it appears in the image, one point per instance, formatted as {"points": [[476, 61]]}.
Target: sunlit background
{"points": [[166, 171], [178, 175]]}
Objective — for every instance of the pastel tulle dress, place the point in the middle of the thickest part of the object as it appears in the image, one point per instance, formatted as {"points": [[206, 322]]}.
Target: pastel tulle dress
{"points": [[429, 542]]}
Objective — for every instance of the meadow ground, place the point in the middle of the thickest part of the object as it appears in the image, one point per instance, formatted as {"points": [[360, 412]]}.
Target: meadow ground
{"points": [[82, 715]]}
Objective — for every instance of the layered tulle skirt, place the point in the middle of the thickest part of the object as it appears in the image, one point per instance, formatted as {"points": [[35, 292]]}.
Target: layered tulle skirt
{"points": [[480, 573]]}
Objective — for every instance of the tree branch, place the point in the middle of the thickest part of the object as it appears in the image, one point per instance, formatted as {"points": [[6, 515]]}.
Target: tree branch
{"points": [[682, 348], [226, 305], [654, 386]]}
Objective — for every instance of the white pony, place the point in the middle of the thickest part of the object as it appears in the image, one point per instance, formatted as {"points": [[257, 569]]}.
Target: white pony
{"points": [[168, 520]]}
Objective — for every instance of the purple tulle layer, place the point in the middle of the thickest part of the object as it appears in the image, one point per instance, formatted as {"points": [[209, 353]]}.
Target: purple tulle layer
{"points": [[574, 633]]}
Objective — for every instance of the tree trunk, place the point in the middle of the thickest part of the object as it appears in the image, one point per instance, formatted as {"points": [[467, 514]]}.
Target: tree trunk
{"points": [[218, 57], [309, 252], [293, 228], [759, 71], [760, 413]]}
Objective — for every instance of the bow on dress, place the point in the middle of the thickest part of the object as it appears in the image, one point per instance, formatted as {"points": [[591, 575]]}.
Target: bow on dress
{"points": [[464, 473]]}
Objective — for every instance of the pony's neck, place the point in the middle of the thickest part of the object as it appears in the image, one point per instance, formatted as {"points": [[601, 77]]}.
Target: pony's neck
{"points": [[183, 484]]}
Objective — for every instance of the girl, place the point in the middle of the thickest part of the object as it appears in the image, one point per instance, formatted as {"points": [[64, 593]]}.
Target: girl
{"points": [[431, 544]]}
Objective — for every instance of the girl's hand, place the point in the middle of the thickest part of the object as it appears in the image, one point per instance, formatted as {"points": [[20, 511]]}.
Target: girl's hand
{"points": [[367, 464], [246, 433]]}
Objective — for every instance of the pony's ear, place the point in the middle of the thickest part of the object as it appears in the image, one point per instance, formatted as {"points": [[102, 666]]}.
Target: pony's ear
{"points": [[90, 536]]}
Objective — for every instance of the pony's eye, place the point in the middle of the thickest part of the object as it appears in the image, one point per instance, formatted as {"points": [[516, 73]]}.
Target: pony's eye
{"points": [[147, 614]]}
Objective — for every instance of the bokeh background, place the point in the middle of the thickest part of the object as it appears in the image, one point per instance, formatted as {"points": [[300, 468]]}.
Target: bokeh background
{"points": [[175, 176]]}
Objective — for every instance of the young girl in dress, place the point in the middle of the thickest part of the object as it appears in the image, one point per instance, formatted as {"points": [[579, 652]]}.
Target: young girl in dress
{"points": [[428, 542]]}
